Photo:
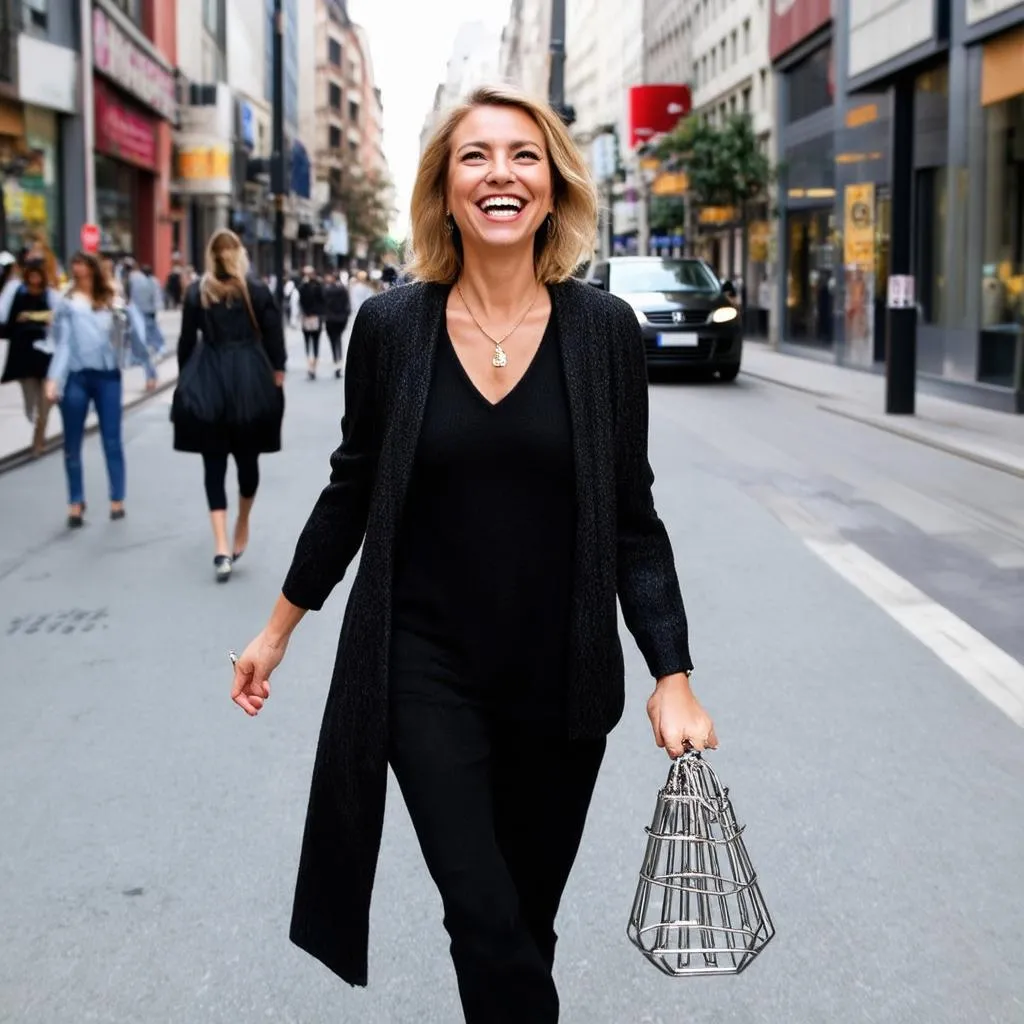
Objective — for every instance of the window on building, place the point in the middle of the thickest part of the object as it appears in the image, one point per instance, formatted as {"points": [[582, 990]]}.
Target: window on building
{"points": [[212, 16], [714, 63], [133, 8], [353, 148], [35, 12], [334, 96], [746, 100], [1002, 270], [732, 104], [732, 47], [721, 113], [696, 73], [930, 243], [722, 63], [334, 137], [764, 88], [334, 52], [809, 85], [353, 111], [746, 36]]}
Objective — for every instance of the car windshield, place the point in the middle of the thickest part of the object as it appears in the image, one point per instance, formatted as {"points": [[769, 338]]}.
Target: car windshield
{"points": [[661, 276]]}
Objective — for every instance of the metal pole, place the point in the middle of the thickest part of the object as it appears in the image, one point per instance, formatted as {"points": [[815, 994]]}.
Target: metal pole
{"points": [[556, 79], [278, 177], [901, 322], [88, 111]]}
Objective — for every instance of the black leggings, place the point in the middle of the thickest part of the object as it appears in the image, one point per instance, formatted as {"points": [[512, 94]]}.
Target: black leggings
{"points": [[498, 808], [312, 343], [215, 468], [335, 329]]}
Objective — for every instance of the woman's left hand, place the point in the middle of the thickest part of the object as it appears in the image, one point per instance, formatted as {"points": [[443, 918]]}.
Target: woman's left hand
{"points": [[678, 720], [279, 378], [51, 392]]}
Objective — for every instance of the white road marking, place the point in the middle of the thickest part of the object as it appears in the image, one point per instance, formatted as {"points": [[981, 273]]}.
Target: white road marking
{"points": [[989, 669]]}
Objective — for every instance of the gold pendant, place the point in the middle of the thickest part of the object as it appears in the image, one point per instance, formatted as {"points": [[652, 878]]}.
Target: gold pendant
{"points": [[499, 360]]}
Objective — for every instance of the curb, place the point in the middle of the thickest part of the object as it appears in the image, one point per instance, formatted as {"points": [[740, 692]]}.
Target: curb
{"points": [[785, 384], [24, 456], [963, 453]]}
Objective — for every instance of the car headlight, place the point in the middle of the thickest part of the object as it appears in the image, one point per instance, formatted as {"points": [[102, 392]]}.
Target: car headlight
{"points": [[723, 315], [641, 316]]}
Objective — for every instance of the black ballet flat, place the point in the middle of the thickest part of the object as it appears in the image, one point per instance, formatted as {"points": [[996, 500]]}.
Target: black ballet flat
{"points": [[116, 514], [75, 522], [222, 568]]}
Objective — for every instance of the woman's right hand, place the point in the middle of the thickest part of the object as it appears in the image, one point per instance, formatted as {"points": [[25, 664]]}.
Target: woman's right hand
{"points": [[253, 670], [51, 392]]}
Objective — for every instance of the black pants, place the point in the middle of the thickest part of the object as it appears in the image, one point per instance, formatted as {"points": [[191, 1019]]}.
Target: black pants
{"points": [[335, 329], [499, 810], [215, 469], [312, 343]]}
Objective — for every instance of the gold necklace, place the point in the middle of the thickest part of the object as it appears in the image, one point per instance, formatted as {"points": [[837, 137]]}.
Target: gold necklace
{"points": [[500, 358]]}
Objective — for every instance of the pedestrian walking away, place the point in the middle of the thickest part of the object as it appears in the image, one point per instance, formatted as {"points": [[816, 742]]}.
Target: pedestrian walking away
{"points": [[147, 297], [360, 290], [93, 335], [28, 354], [337, 309], [311, 308], [493, 468], [229, 400]]}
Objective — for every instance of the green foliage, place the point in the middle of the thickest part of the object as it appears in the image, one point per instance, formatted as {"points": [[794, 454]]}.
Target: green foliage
{"points": [[668, 215], [725, 165], [363, 200]]}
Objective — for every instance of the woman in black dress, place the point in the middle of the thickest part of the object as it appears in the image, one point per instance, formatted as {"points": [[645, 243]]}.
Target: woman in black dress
{"points": [[229, 399], [493, 467], [27, 325], [311, 306]]}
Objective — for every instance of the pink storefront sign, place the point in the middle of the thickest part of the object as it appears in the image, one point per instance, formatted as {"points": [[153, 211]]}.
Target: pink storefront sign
{"points": [[124, 133]]}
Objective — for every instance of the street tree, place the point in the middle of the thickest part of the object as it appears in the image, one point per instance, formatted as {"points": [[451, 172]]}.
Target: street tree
{"points": [[364, 200], [725, 165]]}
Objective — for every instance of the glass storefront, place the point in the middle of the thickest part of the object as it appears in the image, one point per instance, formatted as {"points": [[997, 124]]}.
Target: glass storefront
{"points": [[811, 241], [1002, 282], [30, 186], [116, 190]]}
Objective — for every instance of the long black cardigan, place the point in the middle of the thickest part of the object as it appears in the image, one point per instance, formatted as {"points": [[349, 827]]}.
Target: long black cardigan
{"points": [[621, 548]]}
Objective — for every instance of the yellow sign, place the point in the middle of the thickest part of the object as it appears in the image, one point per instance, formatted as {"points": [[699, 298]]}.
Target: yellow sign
{"points": [[650, 163], [717, 215], [204, 163], [670, 185], [866, 113], [859, 229]]}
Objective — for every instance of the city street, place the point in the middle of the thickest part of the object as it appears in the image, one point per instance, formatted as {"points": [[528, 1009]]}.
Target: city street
{"points": [[857, 617]]}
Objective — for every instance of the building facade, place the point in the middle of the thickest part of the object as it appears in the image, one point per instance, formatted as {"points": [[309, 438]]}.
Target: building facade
{"points": [[42, 130], [953, 72], [524, 60], [134, 99]]}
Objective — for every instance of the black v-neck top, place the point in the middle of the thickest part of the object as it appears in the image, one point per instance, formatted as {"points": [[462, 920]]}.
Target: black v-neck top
{"points": [[485, 549]]}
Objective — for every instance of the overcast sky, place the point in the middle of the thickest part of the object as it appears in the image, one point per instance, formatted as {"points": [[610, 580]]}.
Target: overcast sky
{"points": [[411, 41]]}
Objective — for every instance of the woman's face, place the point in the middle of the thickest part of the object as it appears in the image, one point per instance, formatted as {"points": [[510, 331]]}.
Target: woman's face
{"points": [[81, 273], [35, 282], [499, 178]]}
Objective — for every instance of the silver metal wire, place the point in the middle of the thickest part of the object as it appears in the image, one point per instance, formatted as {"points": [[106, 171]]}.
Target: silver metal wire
{"points": [[698, 907]]}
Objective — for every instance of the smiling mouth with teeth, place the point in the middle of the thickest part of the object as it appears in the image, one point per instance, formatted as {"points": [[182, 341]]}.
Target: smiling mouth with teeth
{"points": [[501, 207]]}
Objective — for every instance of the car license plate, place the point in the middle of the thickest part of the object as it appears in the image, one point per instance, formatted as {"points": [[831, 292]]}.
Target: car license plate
{"points": [[678, 339]]}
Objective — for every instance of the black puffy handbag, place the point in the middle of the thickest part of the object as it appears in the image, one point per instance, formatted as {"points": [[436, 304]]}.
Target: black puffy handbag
{"points": [[199, 395]]}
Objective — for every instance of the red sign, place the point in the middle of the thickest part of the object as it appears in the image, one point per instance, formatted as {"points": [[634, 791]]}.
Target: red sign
{"points": [[122, 131], [122, 61], [90, 238], [655, 109], [792, 21]]}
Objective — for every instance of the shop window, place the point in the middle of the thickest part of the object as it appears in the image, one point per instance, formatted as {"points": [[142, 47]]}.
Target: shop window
{"points": [[811, 242], [334, 96], [930, 243], [809, 86], [334, 52], [35, 13], [115, 205], [1002, 282]]}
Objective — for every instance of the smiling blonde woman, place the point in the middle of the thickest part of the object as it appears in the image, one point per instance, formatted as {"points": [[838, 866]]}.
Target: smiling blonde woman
{"points": [[493, 466]]}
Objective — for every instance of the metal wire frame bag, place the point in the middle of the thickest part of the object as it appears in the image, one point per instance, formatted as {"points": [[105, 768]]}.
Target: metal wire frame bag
{"points": [[698, 907]]}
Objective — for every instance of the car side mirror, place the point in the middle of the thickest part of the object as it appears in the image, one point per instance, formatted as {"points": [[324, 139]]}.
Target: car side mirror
{"points": [[596, 282], [728, 288]]}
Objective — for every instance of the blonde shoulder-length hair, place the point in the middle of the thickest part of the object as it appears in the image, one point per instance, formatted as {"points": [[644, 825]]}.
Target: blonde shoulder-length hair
{"points": [[558, 250], [227, 266]]}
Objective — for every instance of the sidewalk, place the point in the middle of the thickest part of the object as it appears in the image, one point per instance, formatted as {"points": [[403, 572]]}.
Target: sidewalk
{"points": [[994, 439], [16, 432]]}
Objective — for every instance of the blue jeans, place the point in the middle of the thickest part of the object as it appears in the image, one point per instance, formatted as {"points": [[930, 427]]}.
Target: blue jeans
{"points": [[103, 389], [154, 337]]}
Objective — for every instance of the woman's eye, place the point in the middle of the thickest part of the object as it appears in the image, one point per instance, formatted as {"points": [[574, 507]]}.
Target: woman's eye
{"points": [[528, 153], [473, 155]]}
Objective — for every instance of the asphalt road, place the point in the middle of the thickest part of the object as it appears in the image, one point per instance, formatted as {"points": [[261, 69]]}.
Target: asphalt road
{"points": [[149, 832]]}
